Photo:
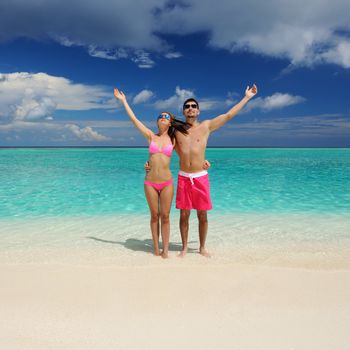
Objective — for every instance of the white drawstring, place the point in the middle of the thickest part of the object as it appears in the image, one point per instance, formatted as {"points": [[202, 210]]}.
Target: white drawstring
{"points": [[192, 176]]}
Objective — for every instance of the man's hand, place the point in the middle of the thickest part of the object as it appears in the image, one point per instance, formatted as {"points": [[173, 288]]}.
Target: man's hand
{"points": [[206, 165], [251, 91], [119, 95], [147, 167]]}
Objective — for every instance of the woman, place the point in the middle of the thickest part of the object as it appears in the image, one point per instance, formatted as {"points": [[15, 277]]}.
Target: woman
{"points": [[158, 184]]}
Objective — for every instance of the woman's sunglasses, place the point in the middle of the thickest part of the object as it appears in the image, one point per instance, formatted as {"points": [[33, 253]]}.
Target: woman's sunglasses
{"points": [[164, 116]]}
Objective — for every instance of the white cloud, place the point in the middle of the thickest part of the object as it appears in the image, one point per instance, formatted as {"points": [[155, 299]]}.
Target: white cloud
{"points": [[111, 54], [32, 109], [143, 96], [298, 31], [102, 27], [105, 124], [29, 96], [176, 101], [210, 104], [305, 33], [105, 23], [86, 134], [55, 128], [339, 54], [28, 102], [143, 59], [171, 55], [275, 101], [64, 41], [20, 125]]}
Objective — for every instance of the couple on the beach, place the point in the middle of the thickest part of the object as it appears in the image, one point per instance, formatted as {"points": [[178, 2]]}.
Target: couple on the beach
{"points": [[189, 139]]}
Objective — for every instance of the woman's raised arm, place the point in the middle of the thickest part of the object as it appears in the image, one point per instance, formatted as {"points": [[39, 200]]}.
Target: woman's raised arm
{"points": [[147, 133]]}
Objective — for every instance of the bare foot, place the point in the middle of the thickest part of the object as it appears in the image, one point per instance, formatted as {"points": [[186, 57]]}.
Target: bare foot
{"points": [[156, 253], [164, 255], [182, 254], [204, 252]]}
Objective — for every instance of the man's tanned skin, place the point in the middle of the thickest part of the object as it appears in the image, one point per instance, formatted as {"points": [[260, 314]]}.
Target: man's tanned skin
{"points": [[191, 150]]}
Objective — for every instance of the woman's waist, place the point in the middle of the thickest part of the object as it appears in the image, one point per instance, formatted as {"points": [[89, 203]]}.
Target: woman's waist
{"points": [[158, 175]]}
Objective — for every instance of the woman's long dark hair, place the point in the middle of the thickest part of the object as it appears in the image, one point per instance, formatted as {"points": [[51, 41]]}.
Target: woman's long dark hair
{"points": [[176, 125]]}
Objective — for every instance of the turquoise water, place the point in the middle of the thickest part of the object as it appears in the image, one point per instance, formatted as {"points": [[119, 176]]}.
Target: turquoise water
{"points": [[104, 181]]}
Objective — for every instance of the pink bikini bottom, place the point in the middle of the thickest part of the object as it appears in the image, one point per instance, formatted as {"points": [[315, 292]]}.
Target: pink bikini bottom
{"points": [[159, 186]]}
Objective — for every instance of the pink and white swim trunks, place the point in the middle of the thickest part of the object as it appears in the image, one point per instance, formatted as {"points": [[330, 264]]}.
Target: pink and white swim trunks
{"points": [[193, 191]]}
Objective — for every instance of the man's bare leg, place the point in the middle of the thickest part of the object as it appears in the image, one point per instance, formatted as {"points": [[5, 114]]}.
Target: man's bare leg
{"points": [[184, 225], [203, 230]]}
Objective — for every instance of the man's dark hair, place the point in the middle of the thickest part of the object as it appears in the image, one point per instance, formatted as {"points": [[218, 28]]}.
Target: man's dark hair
{"points": [[189, 100]]}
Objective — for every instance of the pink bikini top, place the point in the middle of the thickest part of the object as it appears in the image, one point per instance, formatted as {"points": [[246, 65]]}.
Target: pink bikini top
{"points": [[167, 150]]}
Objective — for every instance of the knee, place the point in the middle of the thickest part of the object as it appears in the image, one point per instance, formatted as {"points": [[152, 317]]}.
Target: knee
{"points": [[184, 217], [185, 214], [202, 216], [164, 218], [154, 217]]}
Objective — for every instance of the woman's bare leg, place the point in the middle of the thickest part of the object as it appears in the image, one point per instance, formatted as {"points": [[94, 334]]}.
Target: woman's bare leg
{"points": [[166, 198], [152, 197]]}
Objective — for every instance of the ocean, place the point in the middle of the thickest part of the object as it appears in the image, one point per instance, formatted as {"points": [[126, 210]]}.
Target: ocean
{"points": [[271, 206]]}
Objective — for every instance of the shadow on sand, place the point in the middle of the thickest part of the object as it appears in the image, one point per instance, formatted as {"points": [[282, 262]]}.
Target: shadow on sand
{"points": [[145, 245]]}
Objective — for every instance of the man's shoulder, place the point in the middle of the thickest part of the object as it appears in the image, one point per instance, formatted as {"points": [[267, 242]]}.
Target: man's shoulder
{"points": [[205, 123], [202, 127]]}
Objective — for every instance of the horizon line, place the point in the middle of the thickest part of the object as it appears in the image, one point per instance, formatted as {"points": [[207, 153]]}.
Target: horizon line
{"points": [[147, 147]]}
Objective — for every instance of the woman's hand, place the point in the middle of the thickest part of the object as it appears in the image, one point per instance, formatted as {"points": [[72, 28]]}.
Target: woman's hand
{"points": [[251, 91], [119, 95]]}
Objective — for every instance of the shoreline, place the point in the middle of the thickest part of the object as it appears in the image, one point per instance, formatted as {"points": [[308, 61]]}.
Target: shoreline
{"points": [[316, 242]]}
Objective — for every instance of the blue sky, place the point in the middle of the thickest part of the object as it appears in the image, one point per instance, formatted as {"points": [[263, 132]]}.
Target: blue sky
{"points": [[59, 63]]}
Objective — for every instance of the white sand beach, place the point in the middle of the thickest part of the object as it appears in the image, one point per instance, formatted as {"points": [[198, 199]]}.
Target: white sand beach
{"points": [[173, 304], [93, 283]]}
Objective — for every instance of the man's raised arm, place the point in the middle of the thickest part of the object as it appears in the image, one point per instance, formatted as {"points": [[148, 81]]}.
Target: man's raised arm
{"points": [[220, 120]]}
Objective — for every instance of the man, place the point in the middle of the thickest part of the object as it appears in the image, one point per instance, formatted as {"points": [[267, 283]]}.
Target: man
{"points": [[193, 190], [193, 182]]}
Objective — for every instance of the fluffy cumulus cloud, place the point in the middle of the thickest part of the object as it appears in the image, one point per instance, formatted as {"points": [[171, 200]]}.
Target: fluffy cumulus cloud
{"points": [[275, 101], [305, 33], [176, 101], [28, 101], [36, 95], [143, 96], [339, 54], [86, 134]]}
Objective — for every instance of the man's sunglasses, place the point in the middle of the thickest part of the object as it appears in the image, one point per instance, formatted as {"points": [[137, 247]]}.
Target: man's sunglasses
{"points": [[187, 106]]}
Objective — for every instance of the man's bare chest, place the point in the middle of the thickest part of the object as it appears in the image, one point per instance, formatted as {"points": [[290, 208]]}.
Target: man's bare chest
{"points": [[196, 137]]}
